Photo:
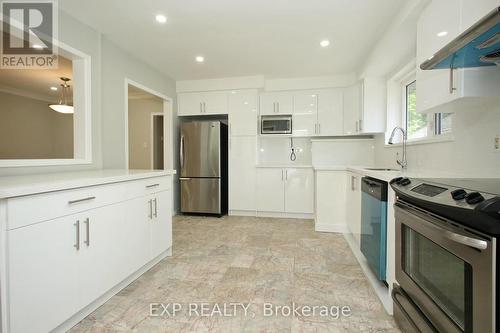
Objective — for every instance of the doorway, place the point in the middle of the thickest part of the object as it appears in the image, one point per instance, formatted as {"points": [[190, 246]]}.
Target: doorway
{"points": [[157, 141], [149, 131]]}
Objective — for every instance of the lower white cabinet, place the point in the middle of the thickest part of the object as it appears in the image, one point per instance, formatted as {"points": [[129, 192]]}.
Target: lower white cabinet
{"points": [[285, 190], [353, 207], [57, 267], [330, 213], [242, 173]]}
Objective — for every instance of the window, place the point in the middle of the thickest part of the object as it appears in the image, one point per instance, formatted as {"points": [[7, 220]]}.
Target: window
{"points": [[420, 125]]}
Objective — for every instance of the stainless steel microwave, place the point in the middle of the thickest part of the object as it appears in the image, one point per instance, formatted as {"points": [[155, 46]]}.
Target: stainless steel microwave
{"points": [[276, 124]]}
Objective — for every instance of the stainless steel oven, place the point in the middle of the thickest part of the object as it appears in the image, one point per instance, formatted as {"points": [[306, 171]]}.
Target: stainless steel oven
{"points": [[276, 124], [445, 268]]}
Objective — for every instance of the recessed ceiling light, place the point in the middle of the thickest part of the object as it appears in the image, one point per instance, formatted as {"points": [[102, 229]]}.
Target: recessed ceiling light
{"points": [[200, 59], [442, 33], [161, 18], [53, 88], [324, 43]]}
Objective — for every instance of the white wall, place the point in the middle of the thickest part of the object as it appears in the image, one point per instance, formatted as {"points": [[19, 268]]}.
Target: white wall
{"points": [[470, 154]]}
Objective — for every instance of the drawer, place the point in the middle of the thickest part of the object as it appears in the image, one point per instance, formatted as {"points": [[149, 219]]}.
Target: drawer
{"points": [[23, 211]]}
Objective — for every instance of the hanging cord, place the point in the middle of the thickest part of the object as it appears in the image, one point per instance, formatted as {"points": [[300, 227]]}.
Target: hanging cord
{"points": [[293, 156]]}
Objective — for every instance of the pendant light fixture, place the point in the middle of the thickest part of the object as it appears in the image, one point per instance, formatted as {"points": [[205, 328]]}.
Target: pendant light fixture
{"points": [[64, 105]]}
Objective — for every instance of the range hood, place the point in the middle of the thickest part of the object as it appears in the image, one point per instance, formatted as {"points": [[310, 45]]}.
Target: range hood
{"points": [[476, 47]]}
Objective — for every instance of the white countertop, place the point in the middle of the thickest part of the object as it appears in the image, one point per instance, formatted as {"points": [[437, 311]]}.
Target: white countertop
{"points": [[281, 166], [15, 186], [385, 175]]}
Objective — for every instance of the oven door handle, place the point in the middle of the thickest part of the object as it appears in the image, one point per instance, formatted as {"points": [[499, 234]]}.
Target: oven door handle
{"points": [[465, 240]]}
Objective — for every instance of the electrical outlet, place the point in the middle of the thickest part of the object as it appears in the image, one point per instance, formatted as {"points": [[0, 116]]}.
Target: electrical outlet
{"points": [[497, 143]]}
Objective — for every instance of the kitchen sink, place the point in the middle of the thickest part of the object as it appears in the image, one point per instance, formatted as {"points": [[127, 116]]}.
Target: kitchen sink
{"points": [[381, 169]]}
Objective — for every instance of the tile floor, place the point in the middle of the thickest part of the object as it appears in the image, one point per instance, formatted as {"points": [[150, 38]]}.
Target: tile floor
{"points": [[252, 261]]}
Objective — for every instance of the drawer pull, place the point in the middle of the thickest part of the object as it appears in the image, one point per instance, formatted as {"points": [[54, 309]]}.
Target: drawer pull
{"points": [[71, 202], [153, 185], [156, 207]]}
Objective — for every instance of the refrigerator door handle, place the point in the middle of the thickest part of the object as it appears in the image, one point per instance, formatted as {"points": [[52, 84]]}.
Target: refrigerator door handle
{"points": [[182, 152]]}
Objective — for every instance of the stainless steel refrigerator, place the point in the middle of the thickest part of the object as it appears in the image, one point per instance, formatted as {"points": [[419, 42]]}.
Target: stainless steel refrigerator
{"points": [[203, 161]]}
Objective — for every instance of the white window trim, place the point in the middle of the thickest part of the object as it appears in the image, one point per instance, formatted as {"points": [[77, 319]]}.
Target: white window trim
{"points": [[82, 120]]}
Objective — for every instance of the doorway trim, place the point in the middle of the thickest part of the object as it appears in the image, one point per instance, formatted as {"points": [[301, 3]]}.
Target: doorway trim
{"points": [[152, 139], [168, 145]]}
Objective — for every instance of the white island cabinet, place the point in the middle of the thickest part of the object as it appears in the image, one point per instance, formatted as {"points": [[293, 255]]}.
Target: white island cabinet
{"points": [[72, 240]]}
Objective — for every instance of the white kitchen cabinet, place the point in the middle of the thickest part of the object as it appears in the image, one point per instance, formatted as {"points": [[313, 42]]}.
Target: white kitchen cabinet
{"points": [[330, 112], [353, 207], [273, 103], [437, 90], [203, 103], [365, 107], [271, 190], [57, 267], [299, 191], [330, 203], [242, 173], [43, 275], [305, 114], [285, 190], [243, 112], [161, 223], [318, 113]]}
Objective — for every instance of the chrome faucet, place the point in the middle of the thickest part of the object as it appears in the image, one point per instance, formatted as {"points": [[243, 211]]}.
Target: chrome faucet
{"points": [[403, 162]]}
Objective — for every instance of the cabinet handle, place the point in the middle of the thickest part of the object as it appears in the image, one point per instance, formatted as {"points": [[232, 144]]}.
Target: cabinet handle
{"points": [[352, 182], [361, 125], [286, 174], [204, 107], [278, 107], [274, 107], [315, 128], [87, 227], [452, 83], [319, 128], [71, 202], [152, 185], [77, 244], [156, 207], [357, 127], [150, 209], [201, 108], [282, 177]]}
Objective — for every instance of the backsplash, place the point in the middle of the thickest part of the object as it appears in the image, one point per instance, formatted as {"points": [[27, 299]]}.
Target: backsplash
{"points": [[277, 150], [349, 151]]}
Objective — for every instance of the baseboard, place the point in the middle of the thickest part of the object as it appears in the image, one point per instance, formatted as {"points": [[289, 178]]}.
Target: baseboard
{"points": [[242, 213], [285, 215], [82, 314], [339, 228], [382, 291]]}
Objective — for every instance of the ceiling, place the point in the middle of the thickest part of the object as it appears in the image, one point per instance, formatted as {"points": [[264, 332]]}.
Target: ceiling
{"points": [[36, 83], [275, 38]]}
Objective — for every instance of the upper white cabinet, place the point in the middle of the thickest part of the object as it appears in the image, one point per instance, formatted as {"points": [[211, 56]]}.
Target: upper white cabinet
{"points": [[365, 107], [276, 103], [287, 190], [203, 103], [318, 113], [441, 22], [243, 112]]}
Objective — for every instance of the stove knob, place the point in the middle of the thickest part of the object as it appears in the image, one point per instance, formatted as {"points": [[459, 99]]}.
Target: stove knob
{"points": [[458, 194], [474, 198], [396, 180], [404, 182]]}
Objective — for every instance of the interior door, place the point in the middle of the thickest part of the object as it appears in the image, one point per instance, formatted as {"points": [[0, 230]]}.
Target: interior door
{"points": [[270, 190], [305, 114], [161, 224], [200, 149], [331, 112], [299, 191], [43, 275]]}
